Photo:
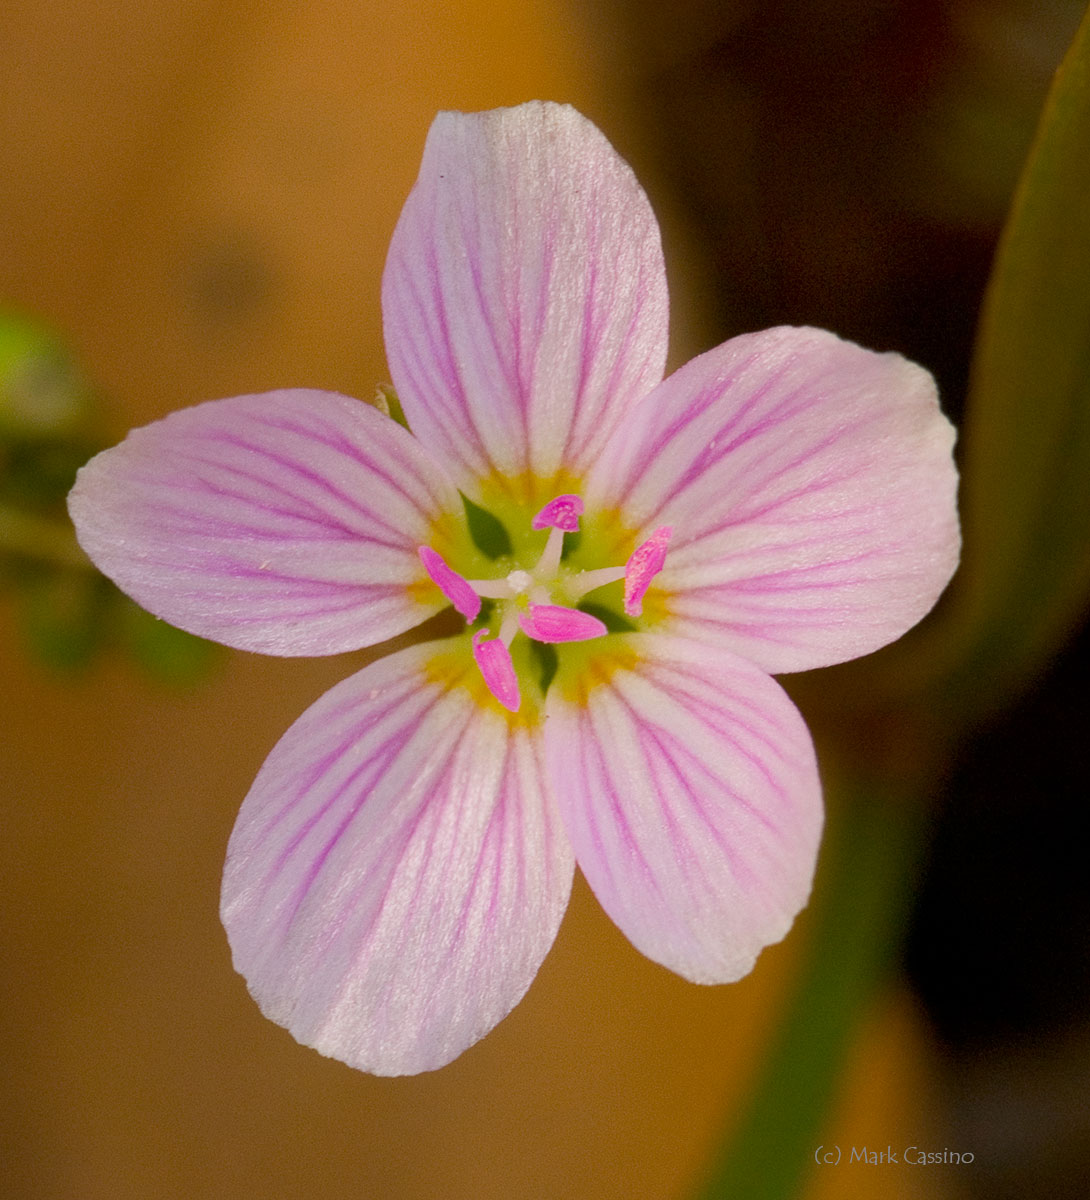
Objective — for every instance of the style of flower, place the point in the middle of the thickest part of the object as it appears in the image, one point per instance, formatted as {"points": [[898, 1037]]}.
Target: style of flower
{"points": [[633, 559]]}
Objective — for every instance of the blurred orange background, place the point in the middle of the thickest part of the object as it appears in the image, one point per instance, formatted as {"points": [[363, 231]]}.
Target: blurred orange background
{"points": [[200, 194]]}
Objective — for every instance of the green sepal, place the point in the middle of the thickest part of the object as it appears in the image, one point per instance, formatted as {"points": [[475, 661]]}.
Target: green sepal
{"points": [[387, 401], [613, 621], [487, 531], [547, 661]]}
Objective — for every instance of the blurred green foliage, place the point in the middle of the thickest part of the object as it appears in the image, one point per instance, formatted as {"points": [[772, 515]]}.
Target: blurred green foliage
{"points": [[1026, 434], [68, 613]]}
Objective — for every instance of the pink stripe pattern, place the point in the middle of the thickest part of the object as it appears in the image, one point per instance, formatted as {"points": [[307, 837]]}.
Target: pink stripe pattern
{"points": [[402, 862], [520, 326], [812, 490], [689, 788], [398, 870], [286, 523]]}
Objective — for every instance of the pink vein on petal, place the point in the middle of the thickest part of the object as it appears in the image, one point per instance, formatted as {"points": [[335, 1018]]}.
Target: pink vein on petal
{"points": [[397, 872], [688, 785], [782, 453], [202, 516]]}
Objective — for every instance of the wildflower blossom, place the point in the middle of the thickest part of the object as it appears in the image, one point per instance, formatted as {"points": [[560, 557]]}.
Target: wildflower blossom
{"points": [[654, 551]]}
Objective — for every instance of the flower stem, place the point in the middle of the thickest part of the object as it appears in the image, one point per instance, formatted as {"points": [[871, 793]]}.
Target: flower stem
{"points": [[860, 906], [41, 539]]}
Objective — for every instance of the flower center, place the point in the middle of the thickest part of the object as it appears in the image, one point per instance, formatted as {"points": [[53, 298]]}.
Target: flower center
{"points": [[540, 601]]}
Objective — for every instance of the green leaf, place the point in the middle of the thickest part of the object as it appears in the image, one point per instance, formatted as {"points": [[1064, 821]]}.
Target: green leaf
{"points": [[1025, 578], [61, 614]]}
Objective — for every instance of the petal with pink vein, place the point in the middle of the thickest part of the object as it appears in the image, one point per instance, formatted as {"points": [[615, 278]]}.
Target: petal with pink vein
{"points": [[812, 492], [687, 783], [524, 298], [286, 523], [397, 872]]}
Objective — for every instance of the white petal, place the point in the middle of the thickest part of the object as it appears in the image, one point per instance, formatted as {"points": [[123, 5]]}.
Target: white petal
{"points": [[688, 786], [286, 523], [397, 873], [524, 299], [811, 490]]}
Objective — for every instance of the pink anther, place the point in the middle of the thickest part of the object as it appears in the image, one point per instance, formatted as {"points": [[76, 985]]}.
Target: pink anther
{"points": [[494, 660], [562, 513], [645, 563], [456, 589], [553, 623]]}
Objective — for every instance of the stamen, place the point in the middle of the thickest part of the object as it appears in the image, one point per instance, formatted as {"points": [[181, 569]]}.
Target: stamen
{"points": [[550, 558], [553, 623], [562, 513], [509, 626], [559, 516], [586, 581], [456, 589], [492, 589], [645, 563], [494, 661]]}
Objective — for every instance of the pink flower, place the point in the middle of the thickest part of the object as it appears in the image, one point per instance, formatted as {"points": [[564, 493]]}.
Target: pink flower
{"points": [[785, 501]]}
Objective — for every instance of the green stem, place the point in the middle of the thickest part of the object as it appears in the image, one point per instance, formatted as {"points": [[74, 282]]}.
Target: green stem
{"points": [[41, 539], [859, 910]]}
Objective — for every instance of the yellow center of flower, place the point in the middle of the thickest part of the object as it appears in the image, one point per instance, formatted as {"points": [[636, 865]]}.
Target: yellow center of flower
{"points": [[542, 590]]}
